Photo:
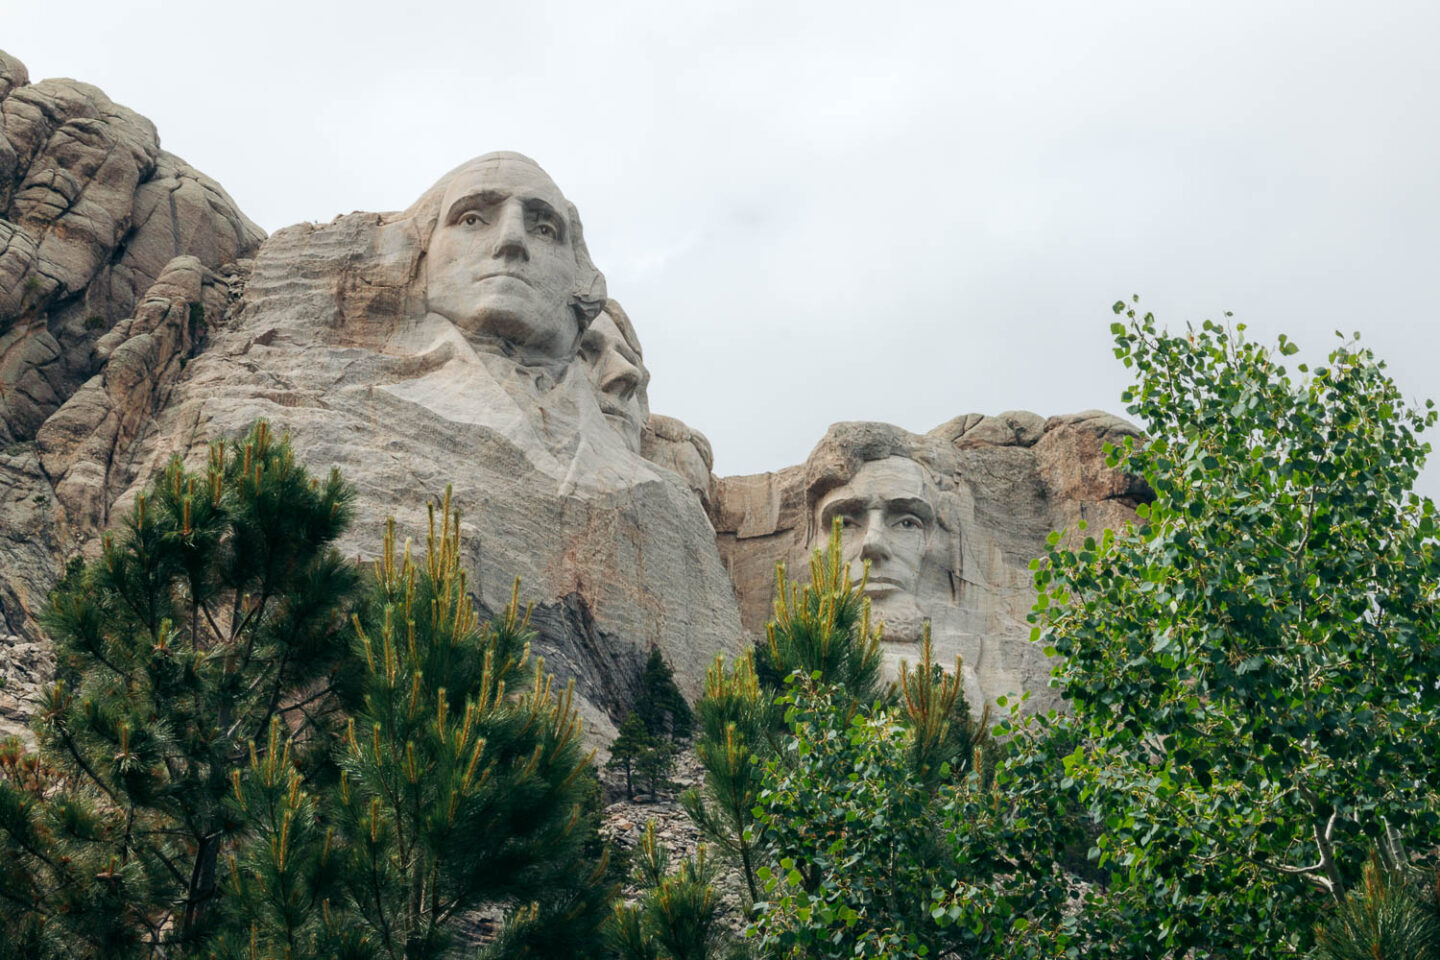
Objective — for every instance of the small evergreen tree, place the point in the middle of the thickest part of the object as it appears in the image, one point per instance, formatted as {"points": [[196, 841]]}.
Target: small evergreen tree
{"points": [[678, 913], [737, 725], [627, 748], [821, 629], [655, 763], [661, 705]]}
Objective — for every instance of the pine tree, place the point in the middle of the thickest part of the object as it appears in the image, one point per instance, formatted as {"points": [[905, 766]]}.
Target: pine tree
{"points": [[661, 705], [677, 916], [655, 763], [460, 785], [217, 609], [627, 748], [823, 628]]}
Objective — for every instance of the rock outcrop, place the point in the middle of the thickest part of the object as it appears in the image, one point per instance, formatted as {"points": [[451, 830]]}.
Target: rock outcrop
{"points": [[92, 214], [949, 522], [340, 340], [467, 341]]}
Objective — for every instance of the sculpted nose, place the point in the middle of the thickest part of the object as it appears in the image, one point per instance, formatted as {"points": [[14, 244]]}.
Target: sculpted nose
{"points": [[874, 546], [620, 378], [511, 242]]}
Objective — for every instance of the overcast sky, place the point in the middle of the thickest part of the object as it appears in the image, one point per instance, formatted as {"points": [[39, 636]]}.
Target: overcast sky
{"points": [[851, 211]]}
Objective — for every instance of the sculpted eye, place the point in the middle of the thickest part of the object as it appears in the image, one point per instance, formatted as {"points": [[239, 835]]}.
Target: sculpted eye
{"points": [[908, 523], [547, 230], [472, 219]]}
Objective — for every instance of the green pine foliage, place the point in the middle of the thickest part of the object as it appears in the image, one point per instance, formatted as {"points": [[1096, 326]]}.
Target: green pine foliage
{"points": [[1384, 917], [218, 608], [655, 764], [824, 627], [830, 791], [661, 705], [461, 787], [677, 916], [737, 729], [629, 744]]}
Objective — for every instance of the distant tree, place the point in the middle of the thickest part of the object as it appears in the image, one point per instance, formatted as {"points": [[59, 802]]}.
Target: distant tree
{"points": [[627, 748], [656, 763], [661, 705]]}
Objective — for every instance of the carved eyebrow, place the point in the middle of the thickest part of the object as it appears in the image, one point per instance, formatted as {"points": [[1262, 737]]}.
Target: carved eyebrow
{"points": [[624, 350], [478, 200], [911, 505], [847, 505], [536, 207]]}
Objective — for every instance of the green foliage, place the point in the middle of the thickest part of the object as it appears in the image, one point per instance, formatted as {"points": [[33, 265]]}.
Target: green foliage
{"points": [[661, 705], [460, 786], [218, 608], [820, 628], [655, 763], [737, 728], [1383, 918], [629, 744], [843, 825], [1253, 665], [677, 916], [823, 627]]}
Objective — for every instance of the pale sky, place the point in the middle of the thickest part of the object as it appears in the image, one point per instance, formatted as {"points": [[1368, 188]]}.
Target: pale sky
{"points": [[851, 211]]}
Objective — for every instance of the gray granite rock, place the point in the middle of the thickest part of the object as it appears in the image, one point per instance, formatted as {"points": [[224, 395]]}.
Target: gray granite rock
{"points": [[949, 522]]}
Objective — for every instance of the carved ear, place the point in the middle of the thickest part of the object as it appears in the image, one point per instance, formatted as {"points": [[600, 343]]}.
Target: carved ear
{"points": [[589, 296]]}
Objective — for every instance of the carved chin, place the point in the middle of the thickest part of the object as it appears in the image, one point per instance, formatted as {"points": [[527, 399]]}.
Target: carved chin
{"points": [[903, 621], [628, 429]]}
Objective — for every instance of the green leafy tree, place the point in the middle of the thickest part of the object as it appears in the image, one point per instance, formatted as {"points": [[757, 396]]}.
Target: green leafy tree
{"points": [[219, 607], [842, 828], [1253, 665], [461, 787], [661, 705]]}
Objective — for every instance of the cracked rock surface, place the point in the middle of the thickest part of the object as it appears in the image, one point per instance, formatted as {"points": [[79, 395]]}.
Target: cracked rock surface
{"points": [[116, 258], [91, 212]]}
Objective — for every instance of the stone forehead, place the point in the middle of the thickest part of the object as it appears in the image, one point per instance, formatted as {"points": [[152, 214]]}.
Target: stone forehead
{"points": [[490, 161], [889, 478]]}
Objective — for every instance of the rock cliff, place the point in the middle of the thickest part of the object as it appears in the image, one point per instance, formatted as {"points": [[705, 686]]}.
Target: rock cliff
{"points": [[470, 341]]}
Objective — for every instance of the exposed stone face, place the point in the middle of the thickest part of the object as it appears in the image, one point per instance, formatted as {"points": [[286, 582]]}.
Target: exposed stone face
{"points": [[91, 211], [949, 522], [337, 341], [467, 340]]}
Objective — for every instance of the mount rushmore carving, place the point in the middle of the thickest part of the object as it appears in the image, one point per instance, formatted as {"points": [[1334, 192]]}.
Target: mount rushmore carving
{"points": [[469, 340]]}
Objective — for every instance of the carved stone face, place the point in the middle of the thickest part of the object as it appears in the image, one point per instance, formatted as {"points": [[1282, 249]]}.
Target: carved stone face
{"points": [[618, 374], [888, 518], [501, 262]]}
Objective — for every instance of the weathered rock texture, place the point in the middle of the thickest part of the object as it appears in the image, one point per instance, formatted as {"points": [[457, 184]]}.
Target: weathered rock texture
{"points": [[970, 504], [333, 342], [92, 214], [467, 340]]}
